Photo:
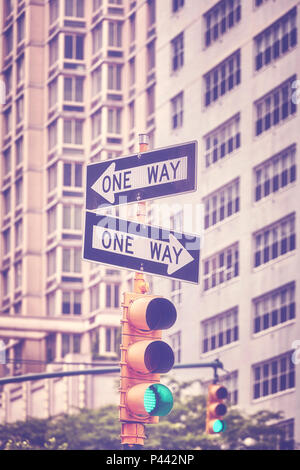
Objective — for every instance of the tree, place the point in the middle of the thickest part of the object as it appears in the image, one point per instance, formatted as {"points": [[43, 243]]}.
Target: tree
{"points": [[182, 429]]}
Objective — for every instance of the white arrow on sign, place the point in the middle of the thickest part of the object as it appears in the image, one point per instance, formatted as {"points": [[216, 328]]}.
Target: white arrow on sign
{"points": [[172, 253], [112, 182]]}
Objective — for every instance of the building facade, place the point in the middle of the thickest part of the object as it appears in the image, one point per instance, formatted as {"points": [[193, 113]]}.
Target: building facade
{"points": [[83, 79]]}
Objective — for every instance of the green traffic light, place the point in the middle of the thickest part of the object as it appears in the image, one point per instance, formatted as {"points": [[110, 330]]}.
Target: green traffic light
{"points": [[218, 426], [158, 400]]}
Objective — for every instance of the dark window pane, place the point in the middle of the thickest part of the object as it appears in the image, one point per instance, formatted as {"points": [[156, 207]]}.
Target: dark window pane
{"points": [[67, 174], [78, 175], [293, 37], [275, 183], [292, 310], [79, 47], [258, 193], [258, 61], [274, 250], [237, 140], [274, 317], [293, 173], [268, 55], [276, 49], [258, 126], [283, 246], [257, 259], [265, 321], [68, 47], [283, 311], [292, 242]]}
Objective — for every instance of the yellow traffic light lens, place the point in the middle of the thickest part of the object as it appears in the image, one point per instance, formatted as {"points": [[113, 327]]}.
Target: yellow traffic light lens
{"points": [[159, 357], [218, 426], [160, 314], [158, 400]]}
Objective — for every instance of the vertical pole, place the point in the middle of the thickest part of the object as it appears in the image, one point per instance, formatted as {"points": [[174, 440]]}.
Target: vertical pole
{"points": [[135, 432]]}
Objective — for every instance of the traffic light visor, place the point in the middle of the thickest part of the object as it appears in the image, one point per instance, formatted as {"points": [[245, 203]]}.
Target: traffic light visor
{"points": [[158, 400]]}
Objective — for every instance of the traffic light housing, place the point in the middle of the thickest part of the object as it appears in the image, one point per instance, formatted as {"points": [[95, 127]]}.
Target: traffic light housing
{"points": [[216, 408], [144, 356]]}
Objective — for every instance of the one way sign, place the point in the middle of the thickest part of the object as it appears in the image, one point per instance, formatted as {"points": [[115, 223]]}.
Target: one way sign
{"points": [[148, 175], [140, 247]]}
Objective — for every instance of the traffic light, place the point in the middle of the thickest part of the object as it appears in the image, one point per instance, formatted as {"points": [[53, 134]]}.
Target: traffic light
{"points": [[216, 408], [144, 356]]}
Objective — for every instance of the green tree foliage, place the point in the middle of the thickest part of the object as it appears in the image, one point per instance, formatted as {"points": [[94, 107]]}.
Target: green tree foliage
{"points": [[182, 429]]}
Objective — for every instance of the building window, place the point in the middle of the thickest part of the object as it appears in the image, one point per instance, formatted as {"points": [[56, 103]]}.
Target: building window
{"points": [[73, 131], [51, 219], [175, 341], [132, 28], [177, 4], [222, 141], [96, 124], [275, 240], [52, 135], [18, 275], [8, 7], [177, 46], [21, 28], [51, 262], [222, 78], [6, 283], [18, 233], [258, 3], [7, 162], [112, 340], [97, 4], [52, 177], [177, 111], [150, 57], [150, 100], [52, 93], [19, 192], [220, 330], [275, 173], [73, 175], [19, 110], [7, 201], [272, 376], [73, 46], [274, 107], [176, 291], [151, 13], [71, 260], [222, 203], [221, 267], [220, 19], [131, 115], [73, 89], [20, 70], [8, 81], [71, 303], [94, 298], [112, 295], [96, 81], [70, 344], [19, 151], [276, 40], [72, 217], [53, 11], [274, 308], [97, 38], [114, 77], [74, 8], [51, 347], [8, 41], [132, 72], [50, 304], [6, 242], [114, 120], [53, 51], [114, 34], [7, 121]]}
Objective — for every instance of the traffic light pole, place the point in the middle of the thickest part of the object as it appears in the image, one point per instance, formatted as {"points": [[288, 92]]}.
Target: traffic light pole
{"points": [[136, 431]]}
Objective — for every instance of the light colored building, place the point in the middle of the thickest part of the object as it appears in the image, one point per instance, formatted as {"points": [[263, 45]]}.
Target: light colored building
{"points": [[226, 76], [83, 79]]}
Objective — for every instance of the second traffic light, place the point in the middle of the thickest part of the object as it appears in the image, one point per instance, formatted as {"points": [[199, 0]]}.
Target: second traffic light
{"points": [[216, 408], [144, 356]]}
